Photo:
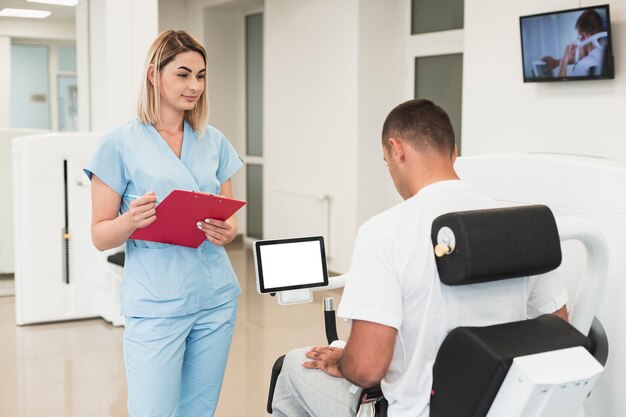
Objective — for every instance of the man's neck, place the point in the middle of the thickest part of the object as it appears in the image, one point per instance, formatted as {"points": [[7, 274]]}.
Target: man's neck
{"points": [[431, 174], [435, 180]]}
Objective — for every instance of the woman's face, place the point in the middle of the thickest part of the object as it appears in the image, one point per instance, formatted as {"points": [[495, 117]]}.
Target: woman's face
{"points": [[182, 81]]}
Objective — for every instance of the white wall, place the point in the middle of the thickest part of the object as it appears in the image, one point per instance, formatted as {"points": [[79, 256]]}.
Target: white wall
{"points": [[501, 113], [121, 32], [310, 120], [333, 71], [82, 65], [37, 29], [224, 41], [195, 13], [383, 29], [172, 15], [5, 81]]}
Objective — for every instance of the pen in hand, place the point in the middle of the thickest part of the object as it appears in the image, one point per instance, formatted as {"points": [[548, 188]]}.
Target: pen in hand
{"points": [[133, 197]]}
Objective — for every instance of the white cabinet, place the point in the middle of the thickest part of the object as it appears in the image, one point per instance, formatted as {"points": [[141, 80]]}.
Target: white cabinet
{"points": [[59, 275], [6, 205]]}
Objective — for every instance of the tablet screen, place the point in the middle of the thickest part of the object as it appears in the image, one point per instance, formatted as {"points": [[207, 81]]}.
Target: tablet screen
{"points": [[290, 264]]}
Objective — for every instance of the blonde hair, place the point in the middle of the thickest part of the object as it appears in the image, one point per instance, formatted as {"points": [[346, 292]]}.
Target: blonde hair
{"points": [[163, 50]]}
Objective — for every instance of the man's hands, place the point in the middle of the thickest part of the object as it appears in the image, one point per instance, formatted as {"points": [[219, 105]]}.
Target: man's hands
{"points": [[324, 359], [567, 58], [551, 62]]}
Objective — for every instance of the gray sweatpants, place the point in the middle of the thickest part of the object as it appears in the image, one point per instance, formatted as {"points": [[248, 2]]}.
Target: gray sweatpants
{"points": [[302, 392]]}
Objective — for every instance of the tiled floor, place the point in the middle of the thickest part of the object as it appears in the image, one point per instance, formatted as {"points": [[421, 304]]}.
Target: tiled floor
{"points": [[75, 369]]}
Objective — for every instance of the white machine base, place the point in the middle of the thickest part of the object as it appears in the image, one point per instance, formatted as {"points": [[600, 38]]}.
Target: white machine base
{"points": [[551, 384]]}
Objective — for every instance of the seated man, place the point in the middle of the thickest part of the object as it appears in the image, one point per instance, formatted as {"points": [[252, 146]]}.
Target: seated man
{"points": [[399, 309]]}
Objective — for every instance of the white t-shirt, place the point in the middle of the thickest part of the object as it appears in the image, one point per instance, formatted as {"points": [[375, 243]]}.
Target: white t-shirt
{"points": [[594, 59], [393, 280]]}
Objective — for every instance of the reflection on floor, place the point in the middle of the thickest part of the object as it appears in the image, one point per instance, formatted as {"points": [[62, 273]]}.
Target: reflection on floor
{"points": [[76, 368]]}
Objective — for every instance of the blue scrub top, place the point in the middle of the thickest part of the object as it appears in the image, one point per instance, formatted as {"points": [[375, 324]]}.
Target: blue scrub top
{"points": [[163, 280]]}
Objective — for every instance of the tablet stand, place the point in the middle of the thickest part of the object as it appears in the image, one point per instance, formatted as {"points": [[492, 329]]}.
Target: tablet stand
{"points": [[304, 295]]}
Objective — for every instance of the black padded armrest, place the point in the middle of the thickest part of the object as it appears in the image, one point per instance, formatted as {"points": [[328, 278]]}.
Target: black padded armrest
{"points": [[599, 342], [498, 244], [472, 362]]}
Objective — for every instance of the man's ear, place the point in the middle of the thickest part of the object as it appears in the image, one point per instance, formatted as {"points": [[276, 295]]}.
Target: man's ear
{"points": [[396, 149], [455, 154], [151, 74]]}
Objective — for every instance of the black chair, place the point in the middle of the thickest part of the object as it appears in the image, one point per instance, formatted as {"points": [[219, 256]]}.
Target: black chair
{"points": [[482, 246], [117, 258]]}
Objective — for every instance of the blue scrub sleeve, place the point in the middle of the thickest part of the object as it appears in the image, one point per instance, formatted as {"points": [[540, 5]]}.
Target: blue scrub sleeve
{"points": [[107, 163], [230, 162]]}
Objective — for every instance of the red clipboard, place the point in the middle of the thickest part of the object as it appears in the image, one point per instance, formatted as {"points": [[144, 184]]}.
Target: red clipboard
{"points": [[178, 214]]}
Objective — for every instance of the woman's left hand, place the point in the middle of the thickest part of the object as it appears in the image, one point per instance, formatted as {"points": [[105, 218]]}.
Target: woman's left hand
{"points": [[217, 232]]}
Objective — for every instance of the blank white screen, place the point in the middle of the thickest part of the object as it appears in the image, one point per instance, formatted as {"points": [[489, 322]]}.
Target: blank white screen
{"points": [[290, 264]]}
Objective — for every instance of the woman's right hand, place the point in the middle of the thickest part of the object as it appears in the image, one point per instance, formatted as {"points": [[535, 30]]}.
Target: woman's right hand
{"points": [[110, 230], [142, 211]]}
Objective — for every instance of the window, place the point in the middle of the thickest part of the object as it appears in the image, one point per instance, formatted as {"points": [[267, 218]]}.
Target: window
{"points": [[254, 196], [254, 84], [440, 78], [434, 16], [254, 125], [30, 87], [44, 92]]}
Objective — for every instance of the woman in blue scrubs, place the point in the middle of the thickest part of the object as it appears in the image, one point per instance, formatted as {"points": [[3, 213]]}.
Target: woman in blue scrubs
{"points": [[179, 303]]}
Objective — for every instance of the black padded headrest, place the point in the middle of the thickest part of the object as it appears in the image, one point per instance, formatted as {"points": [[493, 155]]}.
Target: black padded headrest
{"points": [[497, 244]]}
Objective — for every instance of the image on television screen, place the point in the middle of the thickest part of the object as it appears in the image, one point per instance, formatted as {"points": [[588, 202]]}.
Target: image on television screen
{"points": [[567, 45]]}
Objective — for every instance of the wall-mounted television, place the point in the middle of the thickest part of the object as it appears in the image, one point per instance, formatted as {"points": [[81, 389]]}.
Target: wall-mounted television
{"points": [[567, 45]]}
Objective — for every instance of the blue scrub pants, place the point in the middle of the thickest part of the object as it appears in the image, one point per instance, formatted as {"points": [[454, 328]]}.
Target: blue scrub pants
{"points": [[175, 365]]}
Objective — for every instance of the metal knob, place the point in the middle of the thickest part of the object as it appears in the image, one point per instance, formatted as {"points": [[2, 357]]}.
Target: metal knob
{"points": [[441, 250]]}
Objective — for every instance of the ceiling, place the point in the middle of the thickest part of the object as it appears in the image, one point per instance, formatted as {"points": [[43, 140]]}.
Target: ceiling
{"points": [[59, 13]]}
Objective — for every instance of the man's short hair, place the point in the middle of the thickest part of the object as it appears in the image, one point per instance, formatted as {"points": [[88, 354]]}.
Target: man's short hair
{"points": [[589, 22], [422, 124]]}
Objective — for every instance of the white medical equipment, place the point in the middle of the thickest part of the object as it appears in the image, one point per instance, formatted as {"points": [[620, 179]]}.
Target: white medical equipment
{"points": [[590, 188], [588, 197], [59, 275], [6, 208], [508, 243]]}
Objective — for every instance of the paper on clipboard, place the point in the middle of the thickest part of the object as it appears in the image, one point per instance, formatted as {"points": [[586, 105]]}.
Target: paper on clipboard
{"points": [[178, 214]]}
